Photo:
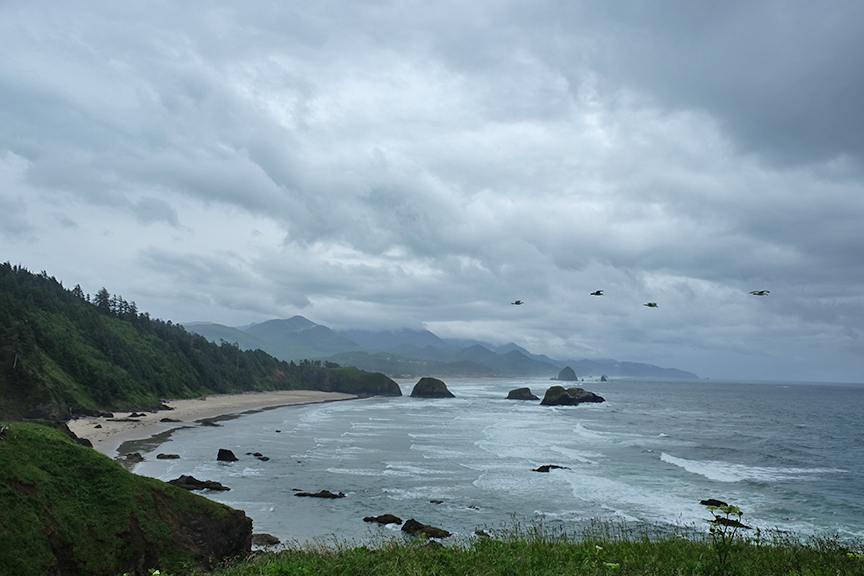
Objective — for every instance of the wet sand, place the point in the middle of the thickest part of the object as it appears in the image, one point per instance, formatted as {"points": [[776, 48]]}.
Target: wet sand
{"points": [[120, 429]]}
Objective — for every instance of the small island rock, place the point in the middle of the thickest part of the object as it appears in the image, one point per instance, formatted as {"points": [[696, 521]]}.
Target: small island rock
{"points": [[521, 394], [548, 467], [417, 529], [226, 456], [431, 388], [192, 483], [384, 519], [567, 374], [559, 396], [321, 494]]}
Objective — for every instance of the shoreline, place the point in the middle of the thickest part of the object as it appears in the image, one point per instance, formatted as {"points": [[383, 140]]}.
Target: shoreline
{"points": [[112, 433]]}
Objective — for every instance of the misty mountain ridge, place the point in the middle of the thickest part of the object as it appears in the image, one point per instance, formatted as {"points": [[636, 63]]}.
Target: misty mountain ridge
{"points": [[407, 353]]}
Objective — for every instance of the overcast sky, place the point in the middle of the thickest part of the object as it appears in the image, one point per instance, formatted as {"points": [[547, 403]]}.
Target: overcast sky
{"points": [[423, 164]]}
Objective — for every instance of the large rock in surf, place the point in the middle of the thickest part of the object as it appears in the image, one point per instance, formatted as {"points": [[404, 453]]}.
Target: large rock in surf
{"points": [[417, 529], [226, 456], [431, 388], [521, 394], [559, 396], [567, 374]]}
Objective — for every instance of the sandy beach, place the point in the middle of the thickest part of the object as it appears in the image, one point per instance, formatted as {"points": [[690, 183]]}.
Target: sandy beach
{"points": [[115, 431]]}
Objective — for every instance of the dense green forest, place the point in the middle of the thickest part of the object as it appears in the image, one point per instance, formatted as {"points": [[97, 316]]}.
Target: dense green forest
{"points": [[62, 348]]}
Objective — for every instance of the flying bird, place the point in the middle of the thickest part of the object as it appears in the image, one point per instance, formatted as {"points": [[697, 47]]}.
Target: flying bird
{"points": [[650, 304], [517, 303], [597, 293], [760, 292]]}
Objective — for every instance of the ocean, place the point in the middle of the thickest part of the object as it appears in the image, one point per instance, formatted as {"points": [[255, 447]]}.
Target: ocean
{"points": [[789, 455]]}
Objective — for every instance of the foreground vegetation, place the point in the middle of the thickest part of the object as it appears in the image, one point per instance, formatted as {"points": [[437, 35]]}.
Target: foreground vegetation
{"points": [[66, 509], [603, 550]]}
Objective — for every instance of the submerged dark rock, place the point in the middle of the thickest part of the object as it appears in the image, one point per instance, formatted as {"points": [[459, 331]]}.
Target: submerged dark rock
{"points": [[712, 502], [417, 529], [384, 519], [167, 456], [548, 467], [321, 494], [521, 394], [192, 483], [559, 396], [431, 388]]}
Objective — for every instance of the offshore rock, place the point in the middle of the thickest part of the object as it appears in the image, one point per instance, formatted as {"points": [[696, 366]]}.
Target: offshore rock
{"points": [[431, 388], [226, 456], [548, 467], [265, 540], [417, 529], [521, 394], [559, 396], [321, 494], [384, 519], [192, 483], [567, 374]]}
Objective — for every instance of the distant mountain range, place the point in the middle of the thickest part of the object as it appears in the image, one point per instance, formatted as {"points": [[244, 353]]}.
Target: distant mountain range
{"points": [[412, 353]]}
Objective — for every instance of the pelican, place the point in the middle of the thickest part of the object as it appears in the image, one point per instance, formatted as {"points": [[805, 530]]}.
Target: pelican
{"points": [[597, 293], [760, 292], [517, 303], [650, 304]]}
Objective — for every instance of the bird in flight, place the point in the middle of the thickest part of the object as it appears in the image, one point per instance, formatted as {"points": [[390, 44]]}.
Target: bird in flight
{"points": [[650, 304], [760, 292], [597, 293], [517, 303]]}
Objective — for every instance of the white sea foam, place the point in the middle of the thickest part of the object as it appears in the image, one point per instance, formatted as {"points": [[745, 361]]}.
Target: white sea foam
{"points": [[729, 472]]}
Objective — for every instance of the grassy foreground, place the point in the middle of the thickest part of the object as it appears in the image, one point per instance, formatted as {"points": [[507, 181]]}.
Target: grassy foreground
{"points": [[604, 550]]}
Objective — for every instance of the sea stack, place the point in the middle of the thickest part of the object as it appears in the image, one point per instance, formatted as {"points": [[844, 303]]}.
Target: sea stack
{"points": [[431, 388], [559, 396], [521, 394], [567, 374]]}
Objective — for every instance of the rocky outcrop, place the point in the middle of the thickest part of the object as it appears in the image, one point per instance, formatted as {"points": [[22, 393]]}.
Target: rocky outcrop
{"points": [[521, 394], [122, 522], [265, 540], [167, 456], [548, 467], [134, 457], [603, 378], [384, 519], [192, 483], [418, 530], [207, 537], [431, 388], [226, 456], [567, 374], [559, 396], [321, 494]]}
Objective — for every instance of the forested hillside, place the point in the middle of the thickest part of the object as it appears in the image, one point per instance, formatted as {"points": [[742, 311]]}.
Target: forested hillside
{"points": [[61, 347]]}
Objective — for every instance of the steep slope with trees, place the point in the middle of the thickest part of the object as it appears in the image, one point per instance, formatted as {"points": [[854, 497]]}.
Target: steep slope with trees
{"points": [[63, 349]]}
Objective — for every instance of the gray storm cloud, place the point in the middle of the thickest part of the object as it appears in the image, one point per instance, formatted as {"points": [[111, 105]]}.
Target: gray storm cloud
{"points": [[407, 164]]}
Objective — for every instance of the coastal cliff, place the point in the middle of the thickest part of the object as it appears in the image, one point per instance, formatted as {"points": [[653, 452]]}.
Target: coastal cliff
{"points": [[66, 509]]}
